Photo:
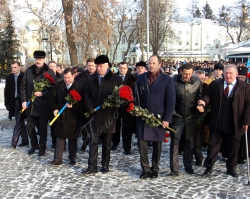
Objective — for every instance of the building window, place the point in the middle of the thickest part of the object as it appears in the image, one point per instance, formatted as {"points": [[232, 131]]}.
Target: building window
{"points": [[123, 39], [123, 55]]}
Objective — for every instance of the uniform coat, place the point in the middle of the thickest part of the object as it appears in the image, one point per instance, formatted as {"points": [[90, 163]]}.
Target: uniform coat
{"points": [[67, 123], [95, 96], [159, 98], [39, 107], [9, 93]]}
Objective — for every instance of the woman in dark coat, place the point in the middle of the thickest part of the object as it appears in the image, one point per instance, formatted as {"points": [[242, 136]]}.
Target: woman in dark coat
{"points": [[67, 124]]}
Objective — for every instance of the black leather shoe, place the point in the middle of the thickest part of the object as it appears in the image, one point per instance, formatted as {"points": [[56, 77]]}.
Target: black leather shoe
{"points": [[154, 174], [207, 172], [13, 146], [41, 152], [31, 151], [105, 169], [89, 172], [72, 162], [53, 146], [145, 175], [127, 152], [56, 162], [232, 173], [190, 171], [83, 147], [198, 164], [241, 162], [174, 173], [113, 148], [24, 144]]}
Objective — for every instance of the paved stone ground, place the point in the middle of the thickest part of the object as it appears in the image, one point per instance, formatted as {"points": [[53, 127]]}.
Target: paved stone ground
{"points": [[24, 176]]}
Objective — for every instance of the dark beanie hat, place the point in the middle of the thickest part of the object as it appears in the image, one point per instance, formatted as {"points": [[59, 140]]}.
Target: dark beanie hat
{"points": [[219, 66], [141, 63], [39, 54], [242, 71], [102, 59]]}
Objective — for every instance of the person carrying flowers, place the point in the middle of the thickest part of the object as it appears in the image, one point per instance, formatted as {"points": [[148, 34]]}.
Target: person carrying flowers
{"points": [[34, 93], [65, 102], [100, 86], [156, 93]]}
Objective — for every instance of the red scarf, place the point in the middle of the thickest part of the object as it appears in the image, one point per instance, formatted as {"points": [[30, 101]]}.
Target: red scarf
{"points": [[153, 77]]}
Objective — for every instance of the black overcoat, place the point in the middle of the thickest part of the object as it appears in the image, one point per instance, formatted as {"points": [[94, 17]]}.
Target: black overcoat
{"points": [[68, 123], [241, 105], [9, 93], [40, 107], [95, 94]]}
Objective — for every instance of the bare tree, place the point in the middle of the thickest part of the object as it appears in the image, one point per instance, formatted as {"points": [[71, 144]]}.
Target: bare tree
{"points": [[236, 21]]}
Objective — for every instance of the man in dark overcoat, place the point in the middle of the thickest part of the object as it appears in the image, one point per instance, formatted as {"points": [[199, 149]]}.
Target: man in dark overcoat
{"points": [[59, 77], [67, 124], [100, 86], [230, 109], [13, 104], [188, 92], [83, 79], [38, 112], [125, 120], [156, 93]]}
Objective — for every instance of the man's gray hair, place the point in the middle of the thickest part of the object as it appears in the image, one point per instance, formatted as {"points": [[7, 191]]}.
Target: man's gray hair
{"points": [[200, 72], [231, 66]]}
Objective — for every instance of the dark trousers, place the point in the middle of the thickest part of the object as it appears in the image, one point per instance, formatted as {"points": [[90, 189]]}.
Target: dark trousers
{"points": [[52, 129], [93, 150], [41, 124], [20, 128], [188, 148], [156, 155], [60, 144], [127, 130], [214, 147], [200, 138]]}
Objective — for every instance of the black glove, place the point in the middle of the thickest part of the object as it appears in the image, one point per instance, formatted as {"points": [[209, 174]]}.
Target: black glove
{"points": [[8, 108]]}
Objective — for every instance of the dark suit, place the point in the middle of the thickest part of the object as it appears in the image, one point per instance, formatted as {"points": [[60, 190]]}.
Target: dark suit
{"points": [[104, 120], [59, 77], [13, 105], [38, 112], [68, 123], [159, 98], [126, 119], [228, 115], [83, 79]]}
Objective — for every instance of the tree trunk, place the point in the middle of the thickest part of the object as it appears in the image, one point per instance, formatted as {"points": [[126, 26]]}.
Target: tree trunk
{"points": [[67, 10]]}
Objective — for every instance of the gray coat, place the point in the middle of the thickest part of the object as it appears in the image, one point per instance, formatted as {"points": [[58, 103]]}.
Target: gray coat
{"points": [[159, 98]]}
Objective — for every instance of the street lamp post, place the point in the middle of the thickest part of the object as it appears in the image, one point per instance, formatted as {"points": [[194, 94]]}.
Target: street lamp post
{"points": [[147, 29]]}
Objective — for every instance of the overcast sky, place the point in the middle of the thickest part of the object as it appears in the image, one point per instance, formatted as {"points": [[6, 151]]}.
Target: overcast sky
{"points": [[215, 4]]}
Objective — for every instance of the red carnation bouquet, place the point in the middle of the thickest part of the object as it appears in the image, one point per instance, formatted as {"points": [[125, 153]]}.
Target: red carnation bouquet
{"points": [[121, 95], [40, 86], [72, 97]]}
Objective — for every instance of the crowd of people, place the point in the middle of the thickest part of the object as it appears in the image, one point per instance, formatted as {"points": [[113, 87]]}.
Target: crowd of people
{"points": [[207, 104]]}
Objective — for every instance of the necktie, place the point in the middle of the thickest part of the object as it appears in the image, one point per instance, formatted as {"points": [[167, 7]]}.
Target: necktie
{"points": [[68, 86], [15, 76], [100, 80], [226, 91], [123, 77]]}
